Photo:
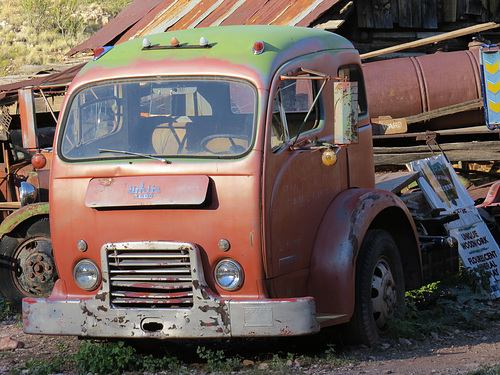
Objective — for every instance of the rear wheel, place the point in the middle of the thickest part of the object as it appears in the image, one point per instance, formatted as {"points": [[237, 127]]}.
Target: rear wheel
{"points": [[380, 290], [28, 268]]}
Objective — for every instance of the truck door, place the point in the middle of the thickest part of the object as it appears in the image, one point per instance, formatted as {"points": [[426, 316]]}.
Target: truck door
{"points": [[298, 186]]}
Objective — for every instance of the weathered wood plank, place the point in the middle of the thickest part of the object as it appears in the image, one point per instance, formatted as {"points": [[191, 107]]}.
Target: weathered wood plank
{"points": [[473, 7], [395, 11], [487, 151], [495, 10], [382, 18], [461, 9], [365, 14], [416, 13], [485, 11], [450, 10], [404, 8], [440, 112], [429, 14]]}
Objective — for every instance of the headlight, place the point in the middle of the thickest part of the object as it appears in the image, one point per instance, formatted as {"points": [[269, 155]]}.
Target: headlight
{"points": [[27, 193], [87, 275], [228, 274]]}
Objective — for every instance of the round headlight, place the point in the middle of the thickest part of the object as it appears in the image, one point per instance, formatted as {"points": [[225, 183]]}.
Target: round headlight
{"points": [[228, 274], [87, 275], [27, 193]]}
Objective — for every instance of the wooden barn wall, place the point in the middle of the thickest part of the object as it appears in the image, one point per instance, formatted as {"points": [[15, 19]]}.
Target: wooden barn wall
{"points": [[424, 14]]}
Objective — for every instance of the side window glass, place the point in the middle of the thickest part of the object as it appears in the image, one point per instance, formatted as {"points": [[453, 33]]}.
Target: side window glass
{"points": [[352, 73], [294, 110]]}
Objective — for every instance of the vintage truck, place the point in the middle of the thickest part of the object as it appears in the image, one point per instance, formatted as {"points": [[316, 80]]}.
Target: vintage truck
{"points": [[219, 182], [27, 267]]}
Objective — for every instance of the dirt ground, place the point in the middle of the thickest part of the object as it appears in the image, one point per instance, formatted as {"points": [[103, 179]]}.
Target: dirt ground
{"points": [[457, 352]]}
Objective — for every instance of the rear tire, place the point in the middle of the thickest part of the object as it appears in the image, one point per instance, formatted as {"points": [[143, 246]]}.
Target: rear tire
{"points": [[380, 289], [27, 264]]}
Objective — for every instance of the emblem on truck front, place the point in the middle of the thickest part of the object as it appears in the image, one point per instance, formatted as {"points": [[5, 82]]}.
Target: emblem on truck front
{"points": [[143, 192]]}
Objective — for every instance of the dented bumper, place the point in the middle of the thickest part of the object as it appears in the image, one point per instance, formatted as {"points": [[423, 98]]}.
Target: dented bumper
{"points": [[220, 318], [157, 289]]}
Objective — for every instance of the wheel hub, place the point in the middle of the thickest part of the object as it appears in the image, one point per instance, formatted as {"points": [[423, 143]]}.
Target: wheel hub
{"points": [[36, 272], [384, 295]]}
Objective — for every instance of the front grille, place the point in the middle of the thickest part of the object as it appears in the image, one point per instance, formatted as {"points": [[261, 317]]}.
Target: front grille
{"points": [[150, 277]]}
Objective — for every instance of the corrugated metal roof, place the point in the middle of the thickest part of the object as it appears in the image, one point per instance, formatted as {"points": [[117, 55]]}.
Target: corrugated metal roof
{"points": [[145, 17], [55, 80], [123, 21]]}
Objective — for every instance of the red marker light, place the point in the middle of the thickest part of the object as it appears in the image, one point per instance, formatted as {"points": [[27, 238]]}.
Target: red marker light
{"points": [[258, 47], [99, 51], [174, 42], [38, 161]]}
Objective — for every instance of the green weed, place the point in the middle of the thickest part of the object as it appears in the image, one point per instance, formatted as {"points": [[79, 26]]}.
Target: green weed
{"points": [[217, 361], [486, 370], [57, 364], [441, 306]]}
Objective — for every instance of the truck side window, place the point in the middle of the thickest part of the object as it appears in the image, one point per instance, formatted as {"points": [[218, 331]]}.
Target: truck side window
{"points": [[292, 102], [352, 73]]}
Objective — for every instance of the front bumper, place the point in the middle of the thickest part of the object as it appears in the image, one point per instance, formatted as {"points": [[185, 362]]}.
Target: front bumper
{"points": [[215, 318], [202, 315]]}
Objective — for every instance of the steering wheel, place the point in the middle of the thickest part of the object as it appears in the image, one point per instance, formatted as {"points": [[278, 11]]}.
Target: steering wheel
{"points": [[233, 149]]}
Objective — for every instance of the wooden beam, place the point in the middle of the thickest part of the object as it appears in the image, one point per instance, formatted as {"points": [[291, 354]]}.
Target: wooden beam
{"points": [[432, 39], [449, 110], [488, 151]]}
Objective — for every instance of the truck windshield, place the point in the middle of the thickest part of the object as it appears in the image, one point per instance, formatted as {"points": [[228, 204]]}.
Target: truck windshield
{"points": [[171, 117]]}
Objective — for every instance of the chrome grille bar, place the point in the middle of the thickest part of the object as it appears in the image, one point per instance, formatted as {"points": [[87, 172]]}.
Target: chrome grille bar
{"points": [[153, 276]]}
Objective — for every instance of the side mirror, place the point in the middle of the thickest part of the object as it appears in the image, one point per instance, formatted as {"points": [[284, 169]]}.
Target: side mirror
{"points": [[346, 112]]}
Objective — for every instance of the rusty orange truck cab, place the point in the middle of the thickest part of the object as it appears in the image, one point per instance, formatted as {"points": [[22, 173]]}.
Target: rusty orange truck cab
{"points": [[189, 197]]}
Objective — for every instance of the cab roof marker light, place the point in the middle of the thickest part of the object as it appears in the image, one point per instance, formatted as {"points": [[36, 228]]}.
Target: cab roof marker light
{"points": [[175, 44], [146, 43], [100, 51], [258, 47]]}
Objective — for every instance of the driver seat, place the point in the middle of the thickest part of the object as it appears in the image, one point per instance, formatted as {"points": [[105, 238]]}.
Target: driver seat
{"points": [[170, 138]]}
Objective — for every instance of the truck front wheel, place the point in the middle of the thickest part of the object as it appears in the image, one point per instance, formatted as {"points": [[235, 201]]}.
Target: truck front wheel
{"points": [[27, 263], [380, 290]]}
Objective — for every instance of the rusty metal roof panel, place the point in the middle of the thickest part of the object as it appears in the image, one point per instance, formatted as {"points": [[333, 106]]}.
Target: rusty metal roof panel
{"points": [[145, 17], [107, 35], [303, 12], [185, 14], [55, 81]]}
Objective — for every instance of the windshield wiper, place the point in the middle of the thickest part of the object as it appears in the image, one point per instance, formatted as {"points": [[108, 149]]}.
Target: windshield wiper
{"points": [[136, 154]]}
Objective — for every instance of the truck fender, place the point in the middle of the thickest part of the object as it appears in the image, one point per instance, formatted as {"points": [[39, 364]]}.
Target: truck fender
{"points": [[21, 215], [339, 238]]}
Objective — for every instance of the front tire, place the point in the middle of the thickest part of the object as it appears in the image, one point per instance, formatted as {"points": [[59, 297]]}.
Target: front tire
{"points": [[380, 289], [27, 264]]}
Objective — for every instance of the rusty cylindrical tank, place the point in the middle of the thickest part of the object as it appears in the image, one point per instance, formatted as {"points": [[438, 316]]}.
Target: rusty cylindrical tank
{"points": [[409, 86]]}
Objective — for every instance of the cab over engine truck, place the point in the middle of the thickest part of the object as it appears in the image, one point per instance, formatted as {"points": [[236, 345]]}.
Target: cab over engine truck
{"points": [[219, 182]]}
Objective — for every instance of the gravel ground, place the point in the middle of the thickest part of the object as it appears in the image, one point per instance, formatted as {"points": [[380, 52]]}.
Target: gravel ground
{"points": [[457, 352]]}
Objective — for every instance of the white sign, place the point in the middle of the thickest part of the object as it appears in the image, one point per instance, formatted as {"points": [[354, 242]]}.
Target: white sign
{"points": [[443, 190]]}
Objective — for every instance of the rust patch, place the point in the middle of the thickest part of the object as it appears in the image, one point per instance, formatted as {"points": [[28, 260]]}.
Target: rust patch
{"points": [[87, 311], [101, 296], [220, 310], [106, 181]]}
